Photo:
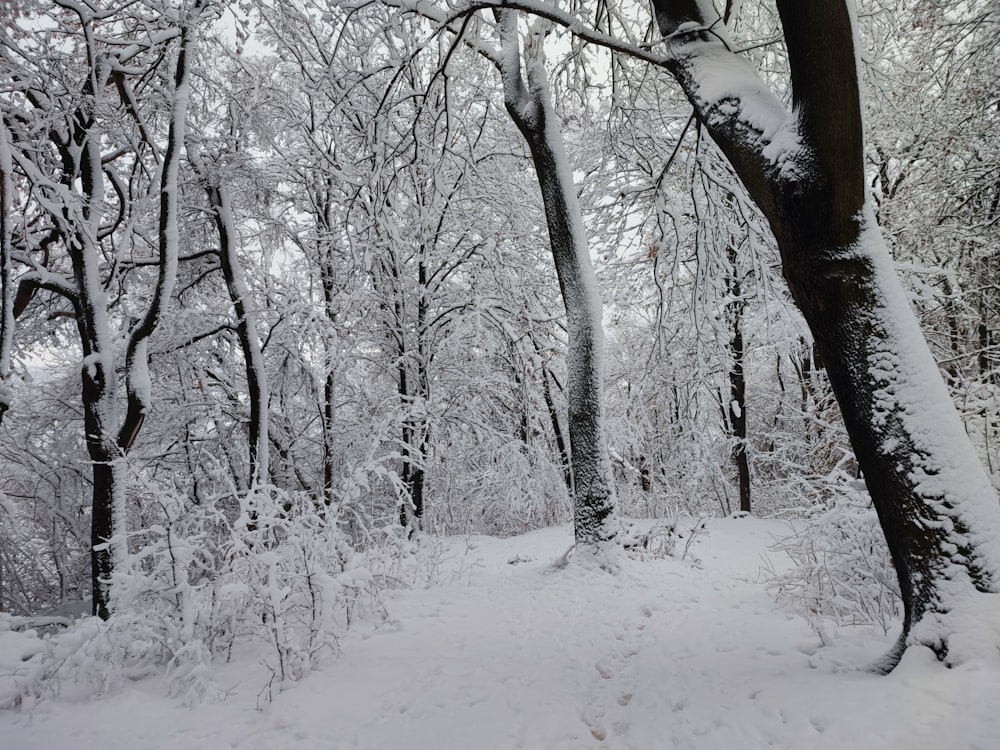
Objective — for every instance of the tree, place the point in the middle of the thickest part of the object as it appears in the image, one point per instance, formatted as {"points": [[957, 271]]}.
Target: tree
{"points": [[530, 107], [89, 184], [6, 264], [934, 182], [805, 171]]}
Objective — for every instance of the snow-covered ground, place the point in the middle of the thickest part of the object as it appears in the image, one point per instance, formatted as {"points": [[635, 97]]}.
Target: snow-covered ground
{"points": [[507, 651]]}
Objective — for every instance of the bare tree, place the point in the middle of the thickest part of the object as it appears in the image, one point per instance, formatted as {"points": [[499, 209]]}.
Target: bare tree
{"points": [[69, 182], [530, 107]]}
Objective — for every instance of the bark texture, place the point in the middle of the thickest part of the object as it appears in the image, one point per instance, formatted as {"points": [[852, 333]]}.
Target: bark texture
{"points": [[6, 275], [530, 108], [804, 169]]}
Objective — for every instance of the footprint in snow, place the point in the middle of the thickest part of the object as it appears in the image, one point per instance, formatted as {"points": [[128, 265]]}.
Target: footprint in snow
{"points": [[614, 690]]}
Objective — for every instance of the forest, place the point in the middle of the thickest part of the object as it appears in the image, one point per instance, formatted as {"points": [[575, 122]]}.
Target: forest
{"points": [[294, 294]]}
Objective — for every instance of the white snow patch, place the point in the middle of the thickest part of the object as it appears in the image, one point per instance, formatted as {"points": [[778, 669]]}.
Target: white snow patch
{"points": [[945, 467], [665, 654]]}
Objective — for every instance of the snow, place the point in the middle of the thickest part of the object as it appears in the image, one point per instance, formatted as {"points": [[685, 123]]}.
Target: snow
{"points": [[6, 275], [944, 464], [727, 89], [506, 651], [530, 107]]}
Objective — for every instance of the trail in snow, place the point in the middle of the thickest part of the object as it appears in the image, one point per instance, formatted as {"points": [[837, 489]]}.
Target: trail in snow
{"points": [[665, 654]]}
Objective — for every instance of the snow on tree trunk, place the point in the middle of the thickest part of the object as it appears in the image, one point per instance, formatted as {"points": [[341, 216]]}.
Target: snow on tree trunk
{"points": [[737, 406], [6, 275], [99, 389], [137, 383], [246, 322], [531, 109], [936, 505]]}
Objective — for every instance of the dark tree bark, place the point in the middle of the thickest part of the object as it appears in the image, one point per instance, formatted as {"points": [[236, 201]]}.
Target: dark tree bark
{"points": [[220, 203], [329, 383], [246, 331], [738, 414], [6, 273], [530, 108], [557, 431], [737, 407], [804, 169], [414, 387], [79, 223]]}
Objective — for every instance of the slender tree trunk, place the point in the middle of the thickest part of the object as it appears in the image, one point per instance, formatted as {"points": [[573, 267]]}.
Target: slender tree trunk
{"points": [[531, 110], [414, 450], [6, 274], [738, 410], [138, 387], [557, 431], [553, 412], [329, 387], [246, 325], [325, 223]]}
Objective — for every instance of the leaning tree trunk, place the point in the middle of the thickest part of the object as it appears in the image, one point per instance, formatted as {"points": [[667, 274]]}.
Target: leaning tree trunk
{"points": [[530, 108], [805, 170]]}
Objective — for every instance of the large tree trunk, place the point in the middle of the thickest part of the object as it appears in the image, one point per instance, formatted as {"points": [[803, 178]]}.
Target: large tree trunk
{"points": [[99, 380], [76, 209], [531, 110], [805, 170], [100, 418]]}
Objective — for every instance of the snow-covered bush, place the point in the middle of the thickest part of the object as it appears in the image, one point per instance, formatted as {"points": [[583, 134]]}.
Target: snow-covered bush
{"points": [[503, 487], [672, 536], [842, 572], [21, 658], [195, 585], [38, 658]]}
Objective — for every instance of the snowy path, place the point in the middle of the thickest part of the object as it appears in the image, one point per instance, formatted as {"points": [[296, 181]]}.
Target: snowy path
{"points": [[663, 655]]}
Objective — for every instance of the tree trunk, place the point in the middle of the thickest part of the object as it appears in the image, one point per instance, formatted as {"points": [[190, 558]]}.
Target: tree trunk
{"points": [[329, 387], [246, 323], [738, 414], [99, 381], [557, 430], [737, 385], [805, 170], [78, 214], [415, 441], [531, 110], [98, 393], [6, 274]]}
